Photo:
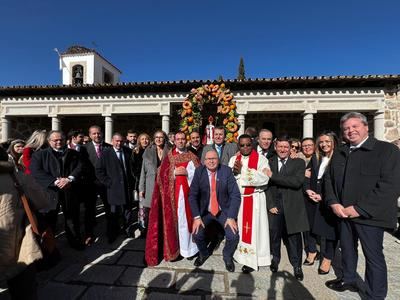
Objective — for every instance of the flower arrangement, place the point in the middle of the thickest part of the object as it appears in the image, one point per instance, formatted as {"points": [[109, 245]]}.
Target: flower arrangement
{"points": [[192, 107]]}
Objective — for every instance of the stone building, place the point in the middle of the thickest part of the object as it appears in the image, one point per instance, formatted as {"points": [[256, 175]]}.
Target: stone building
{"points": [[92, 94]]}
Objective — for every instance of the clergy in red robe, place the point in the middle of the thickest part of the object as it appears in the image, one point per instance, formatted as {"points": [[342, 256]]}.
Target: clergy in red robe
{"points": [[170, 220]]}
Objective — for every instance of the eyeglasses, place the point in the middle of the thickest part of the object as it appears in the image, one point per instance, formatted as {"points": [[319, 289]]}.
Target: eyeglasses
{"points": [[244, 145], [307, 145], [295, 147], [158, 137]]}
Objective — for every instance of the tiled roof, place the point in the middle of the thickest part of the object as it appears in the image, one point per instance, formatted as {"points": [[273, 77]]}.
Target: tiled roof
{"points": [[293, 82]]}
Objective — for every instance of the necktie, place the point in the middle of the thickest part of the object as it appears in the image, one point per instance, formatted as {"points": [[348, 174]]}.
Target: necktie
{"points": [[214, 207], [98, 151], [283, 167], [121, 160], [218, 150]]}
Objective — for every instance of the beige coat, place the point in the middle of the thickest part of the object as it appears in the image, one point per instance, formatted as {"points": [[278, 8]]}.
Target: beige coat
{"points": [[18, 247]]}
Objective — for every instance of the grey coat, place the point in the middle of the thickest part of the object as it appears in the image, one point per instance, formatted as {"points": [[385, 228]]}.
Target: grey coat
{"points": [[228, 150], [148, 173]]}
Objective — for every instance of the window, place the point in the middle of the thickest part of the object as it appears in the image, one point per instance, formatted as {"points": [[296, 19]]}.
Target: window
{"points": [[77, 75]]}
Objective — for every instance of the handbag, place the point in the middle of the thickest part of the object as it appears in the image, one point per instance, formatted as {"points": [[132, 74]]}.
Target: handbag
{"points": [[46, 239]]}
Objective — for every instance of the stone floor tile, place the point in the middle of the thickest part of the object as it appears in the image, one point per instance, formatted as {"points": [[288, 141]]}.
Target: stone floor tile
{"points": [[132, 258], [60, 291], [99, 292], [102, 256], [91, 273], [196, 280], [166, 296], [154, 278]]}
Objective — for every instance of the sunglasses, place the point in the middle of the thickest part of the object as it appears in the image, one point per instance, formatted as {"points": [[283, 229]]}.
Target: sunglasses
{"points": [[295, 147], [244, 145]]}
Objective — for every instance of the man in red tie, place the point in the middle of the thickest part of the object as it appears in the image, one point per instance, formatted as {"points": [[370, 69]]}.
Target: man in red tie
{"points": [[214, 195]]}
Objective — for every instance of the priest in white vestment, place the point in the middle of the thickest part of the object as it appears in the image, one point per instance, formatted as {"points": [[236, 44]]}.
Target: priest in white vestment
{"points": [[250, 170]]}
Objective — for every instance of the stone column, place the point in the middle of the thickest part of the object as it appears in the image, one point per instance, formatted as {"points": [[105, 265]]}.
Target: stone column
{"points": [[108, 128], [55, 123], [308, 120], [5, 129], [165, 123], [241, 119], [379, 125]]}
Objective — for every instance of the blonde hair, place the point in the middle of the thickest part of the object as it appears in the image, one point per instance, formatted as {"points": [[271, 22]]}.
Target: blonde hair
{"points": [[332, 137], [139, 146], [36, 140]]}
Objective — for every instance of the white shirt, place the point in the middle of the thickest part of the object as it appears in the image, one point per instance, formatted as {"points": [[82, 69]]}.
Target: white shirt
{"points": [[324, 163], [280, 162]]}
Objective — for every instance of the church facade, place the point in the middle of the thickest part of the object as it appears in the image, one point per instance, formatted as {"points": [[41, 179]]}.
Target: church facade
{"points": [[92, 94]]}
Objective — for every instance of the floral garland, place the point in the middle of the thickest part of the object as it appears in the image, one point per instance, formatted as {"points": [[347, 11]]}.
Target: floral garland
{"points": [[192, 107]]}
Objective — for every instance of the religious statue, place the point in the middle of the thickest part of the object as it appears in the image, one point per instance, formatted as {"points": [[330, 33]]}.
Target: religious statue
{"points": [[210, 131]]}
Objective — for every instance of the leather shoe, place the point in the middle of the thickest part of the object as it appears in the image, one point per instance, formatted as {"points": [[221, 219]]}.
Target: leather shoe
{"points": [[273, 267], [322, 272], [200, 260], [339, 285], [229, 266], [298, 273], [310, 263], [247, 269]]}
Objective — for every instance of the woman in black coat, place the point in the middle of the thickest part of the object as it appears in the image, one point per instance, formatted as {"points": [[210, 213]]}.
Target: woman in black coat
{"points": [[137, 160], [322, 220]]}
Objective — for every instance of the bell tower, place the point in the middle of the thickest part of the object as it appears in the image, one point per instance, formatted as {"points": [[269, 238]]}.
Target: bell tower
{"points": [[80, 65]]}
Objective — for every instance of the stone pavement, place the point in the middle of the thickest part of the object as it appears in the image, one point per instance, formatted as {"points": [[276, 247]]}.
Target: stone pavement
{"points": [[116, 271]]}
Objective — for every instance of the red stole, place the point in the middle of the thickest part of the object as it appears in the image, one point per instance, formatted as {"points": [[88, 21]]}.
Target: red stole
{"points": [[182, 181], [162, 234], [247, 213]]}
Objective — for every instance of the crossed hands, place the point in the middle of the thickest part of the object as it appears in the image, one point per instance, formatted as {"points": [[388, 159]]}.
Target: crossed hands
{"points": [[344, 213], [181, 171], [62, 183], [313, 196], [237, 167]]}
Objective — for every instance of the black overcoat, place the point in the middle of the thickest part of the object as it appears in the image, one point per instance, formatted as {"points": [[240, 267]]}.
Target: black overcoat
{"points": [[45, 169], [321, 218], [367, 178], [291, 186], [119, 182]]}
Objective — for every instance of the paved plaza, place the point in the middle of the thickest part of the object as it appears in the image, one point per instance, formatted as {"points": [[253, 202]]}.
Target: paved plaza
{"points": [[116, 271]]}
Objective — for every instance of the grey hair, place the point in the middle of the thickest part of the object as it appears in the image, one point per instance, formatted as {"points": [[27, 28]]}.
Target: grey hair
{"points": [[352, 115], [51, 132], [211, 150]]}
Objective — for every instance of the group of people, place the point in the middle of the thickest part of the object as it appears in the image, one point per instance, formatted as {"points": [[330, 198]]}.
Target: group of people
{"points": [[314, 195]]}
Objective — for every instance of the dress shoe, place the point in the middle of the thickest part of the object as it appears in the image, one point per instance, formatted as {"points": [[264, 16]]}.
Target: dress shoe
{"points": [[229, 266], [200, 260], [310, 263], [298, 273], [339, 285], [247, 269], [273, 267]]}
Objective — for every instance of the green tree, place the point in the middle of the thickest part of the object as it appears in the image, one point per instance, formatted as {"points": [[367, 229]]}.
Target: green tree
{"points": [[241, 73]]}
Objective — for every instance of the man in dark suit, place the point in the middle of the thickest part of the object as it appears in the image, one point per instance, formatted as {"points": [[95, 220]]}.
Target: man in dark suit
{"points": [[113, 169], [286, 210], [58, 170], [265, 146], [195, 144], [91, 153], [214, 195], [224, 150], [362, 188]]}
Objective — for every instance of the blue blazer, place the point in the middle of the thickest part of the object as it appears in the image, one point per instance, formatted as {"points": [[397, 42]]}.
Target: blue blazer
{"points": [[228, 193]]}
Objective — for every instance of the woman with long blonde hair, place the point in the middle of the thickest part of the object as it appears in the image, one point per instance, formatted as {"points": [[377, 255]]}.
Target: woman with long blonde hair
{"points": [[36, 141], [323, 223]]}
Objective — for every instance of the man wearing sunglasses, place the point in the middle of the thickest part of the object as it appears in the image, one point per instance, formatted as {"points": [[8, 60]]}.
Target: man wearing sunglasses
{"points": [[250, 170]]}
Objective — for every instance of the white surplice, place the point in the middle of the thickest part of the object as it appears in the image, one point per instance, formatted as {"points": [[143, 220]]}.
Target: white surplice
{"points": [[258, 252], [187, 246]]}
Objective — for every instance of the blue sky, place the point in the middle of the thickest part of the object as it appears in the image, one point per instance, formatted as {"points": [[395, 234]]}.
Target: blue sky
{"points": [[172, 40]]}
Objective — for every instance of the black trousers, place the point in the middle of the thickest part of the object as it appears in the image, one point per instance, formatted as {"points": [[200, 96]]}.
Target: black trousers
{"points": [[371, 239], [292, 242]]}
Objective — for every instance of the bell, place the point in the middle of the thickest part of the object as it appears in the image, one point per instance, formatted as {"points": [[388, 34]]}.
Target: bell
{"points": [[78, 75]]}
